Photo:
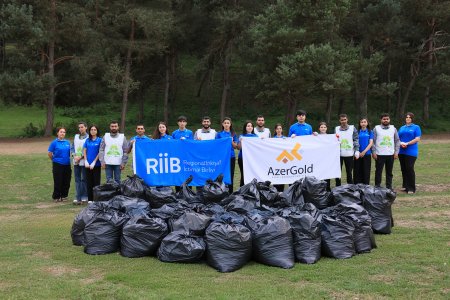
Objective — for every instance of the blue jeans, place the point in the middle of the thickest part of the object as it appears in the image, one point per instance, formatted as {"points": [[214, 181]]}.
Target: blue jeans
{"points": [[113, 171], [80, 182]]}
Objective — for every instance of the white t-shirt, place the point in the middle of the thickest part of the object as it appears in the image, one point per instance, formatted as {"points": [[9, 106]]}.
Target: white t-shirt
{"points": [[264, 134], [200, 134]]}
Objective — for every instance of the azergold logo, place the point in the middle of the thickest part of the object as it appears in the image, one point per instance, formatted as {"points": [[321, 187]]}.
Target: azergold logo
{"points": [[290, 156]]}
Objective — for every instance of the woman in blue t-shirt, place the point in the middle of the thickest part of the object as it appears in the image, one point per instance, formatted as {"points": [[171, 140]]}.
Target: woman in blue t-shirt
{"points": [[59, 154], [247, 131], [278, 131], [161, 132], [91, 148], [362, 165], [228, 132], [409, 135]]}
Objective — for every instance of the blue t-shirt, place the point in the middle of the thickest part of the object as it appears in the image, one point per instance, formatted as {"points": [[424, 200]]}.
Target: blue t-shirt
{"points": [[92, 148], [245, 135], [166, 137], [406, 134], [227, 134], [187, 134], [300, 129], [61, 151], [136, 137], [364, 138], [279, 137]]}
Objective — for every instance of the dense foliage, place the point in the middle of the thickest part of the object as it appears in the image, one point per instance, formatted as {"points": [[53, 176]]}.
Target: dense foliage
{"points": [[261, 56]]}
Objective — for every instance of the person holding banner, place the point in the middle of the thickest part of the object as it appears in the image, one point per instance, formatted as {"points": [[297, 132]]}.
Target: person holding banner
{"points": [[247, 132], [140, 130], [206, 132], [161, 132], [59, 154], [348, 137], [409, 135], [228, 132], [91, 149], [386, 145], [113, 152], [278, 129], [182, 133], [261, 131], [361, 171], [301, 127], [323, 130], [79, 171]]}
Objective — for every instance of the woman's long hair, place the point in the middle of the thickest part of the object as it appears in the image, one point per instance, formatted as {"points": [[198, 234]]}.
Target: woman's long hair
{"points": [[157, 134]]}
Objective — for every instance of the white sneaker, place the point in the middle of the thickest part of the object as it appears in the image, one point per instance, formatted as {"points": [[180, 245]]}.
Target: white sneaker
{"points": [[76, 202], [89, 202]]}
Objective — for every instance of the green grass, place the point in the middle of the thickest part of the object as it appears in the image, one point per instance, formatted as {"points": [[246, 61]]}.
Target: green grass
{"points": [[38, 260]]}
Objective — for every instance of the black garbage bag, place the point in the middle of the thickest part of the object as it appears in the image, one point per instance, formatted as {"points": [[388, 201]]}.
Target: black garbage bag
{"points": [[187, 194], [268, 194], [306, 230], [190, 222], [107, 191], [168, 211], [213, 209], [293, 195], [181, 247], [378, 202], [215, 191], [315, 192], [142, 235], [133, 187], [158, 196], [229, 243], [249, 191], [363, 236], [239, 204], [272, 240], [83, 218], [348, 193], [130, 206], [102, 233], [337, 237]]}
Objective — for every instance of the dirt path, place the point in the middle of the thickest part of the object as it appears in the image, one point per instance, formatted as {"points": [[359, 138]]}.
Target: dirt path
{"points": [[40, 145]]}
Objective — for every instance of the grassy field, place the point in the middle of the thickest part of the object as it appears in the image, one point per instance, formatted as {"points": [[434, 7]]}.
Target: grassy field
{"points": [[38, 260]]}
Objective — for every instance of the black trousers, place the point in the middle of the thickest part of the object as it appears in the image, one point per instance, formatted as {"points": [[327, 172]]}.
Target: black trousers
{"points": [[232, 167], [388, 161], [328, 185], [361, 171], [62, 174], [409, 175], [241, 167], [348, 161], [279, 187], [93, 178]]}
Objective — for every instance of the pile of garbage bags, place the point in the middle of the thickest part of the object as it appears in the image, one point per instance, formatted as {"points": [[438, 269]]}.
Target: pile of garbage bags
{"points": [[226, 230]]}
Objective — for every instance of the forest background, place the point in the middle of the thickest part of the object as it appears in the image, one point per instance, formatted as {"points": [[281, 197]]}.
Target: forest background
{"points": [[146, 61]]}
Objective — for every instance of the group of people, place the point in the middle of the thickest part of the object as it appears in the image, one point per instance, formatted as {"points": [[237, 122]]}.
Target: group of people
{"points": [[90, 152]]}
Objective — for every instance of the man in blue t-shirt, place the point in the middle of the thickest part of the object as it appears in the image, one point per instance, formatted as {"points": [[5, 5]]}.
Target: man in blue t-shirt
{"points": [[301, 127], [182, 133], [140, 130]]}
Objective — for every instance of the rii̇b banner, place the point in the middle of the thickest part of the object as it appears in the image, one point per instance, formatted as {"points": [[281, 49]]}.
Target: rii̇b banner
{"points": [[284, 161], [171, 162]]}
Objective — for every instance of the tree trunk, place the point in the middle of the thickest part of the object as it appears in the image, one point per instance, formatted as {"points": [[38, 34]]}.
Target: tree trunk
{"points": [[399, 95], [361, 94], [166, 90], [388, 97], [51, 73], [291, 109], [412, 82], [328, 111], [341, 106], [226, 79], [173, 82], [2, 52], [429, 58], [127, 78]]}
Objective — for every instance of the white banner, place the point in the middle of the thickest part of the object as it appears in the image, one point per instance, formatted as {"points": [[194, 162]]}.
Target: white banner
{"points": [[284, 161]]}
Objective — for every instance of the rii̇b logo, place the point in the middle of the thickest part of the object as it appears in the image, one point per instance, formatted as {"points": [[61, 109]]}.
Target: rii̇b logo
{"points": [[163, 165]]}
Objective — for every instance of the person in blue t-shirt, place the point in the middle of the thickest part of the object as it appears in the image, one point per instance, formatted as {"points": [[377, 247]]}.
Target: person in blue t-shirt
{"points": [[182, 133], [247, 131], [140, 135], [362, 166], [59, 154], [228, 132], [278, 131], [409, 135], [161, 132], [91, 149], [301, 127]]}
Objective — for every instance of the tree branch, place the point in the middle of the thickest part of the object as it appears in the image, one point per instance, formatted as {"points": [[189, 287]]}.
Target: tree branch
{"points": [[63, 82], [63, 59]]}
